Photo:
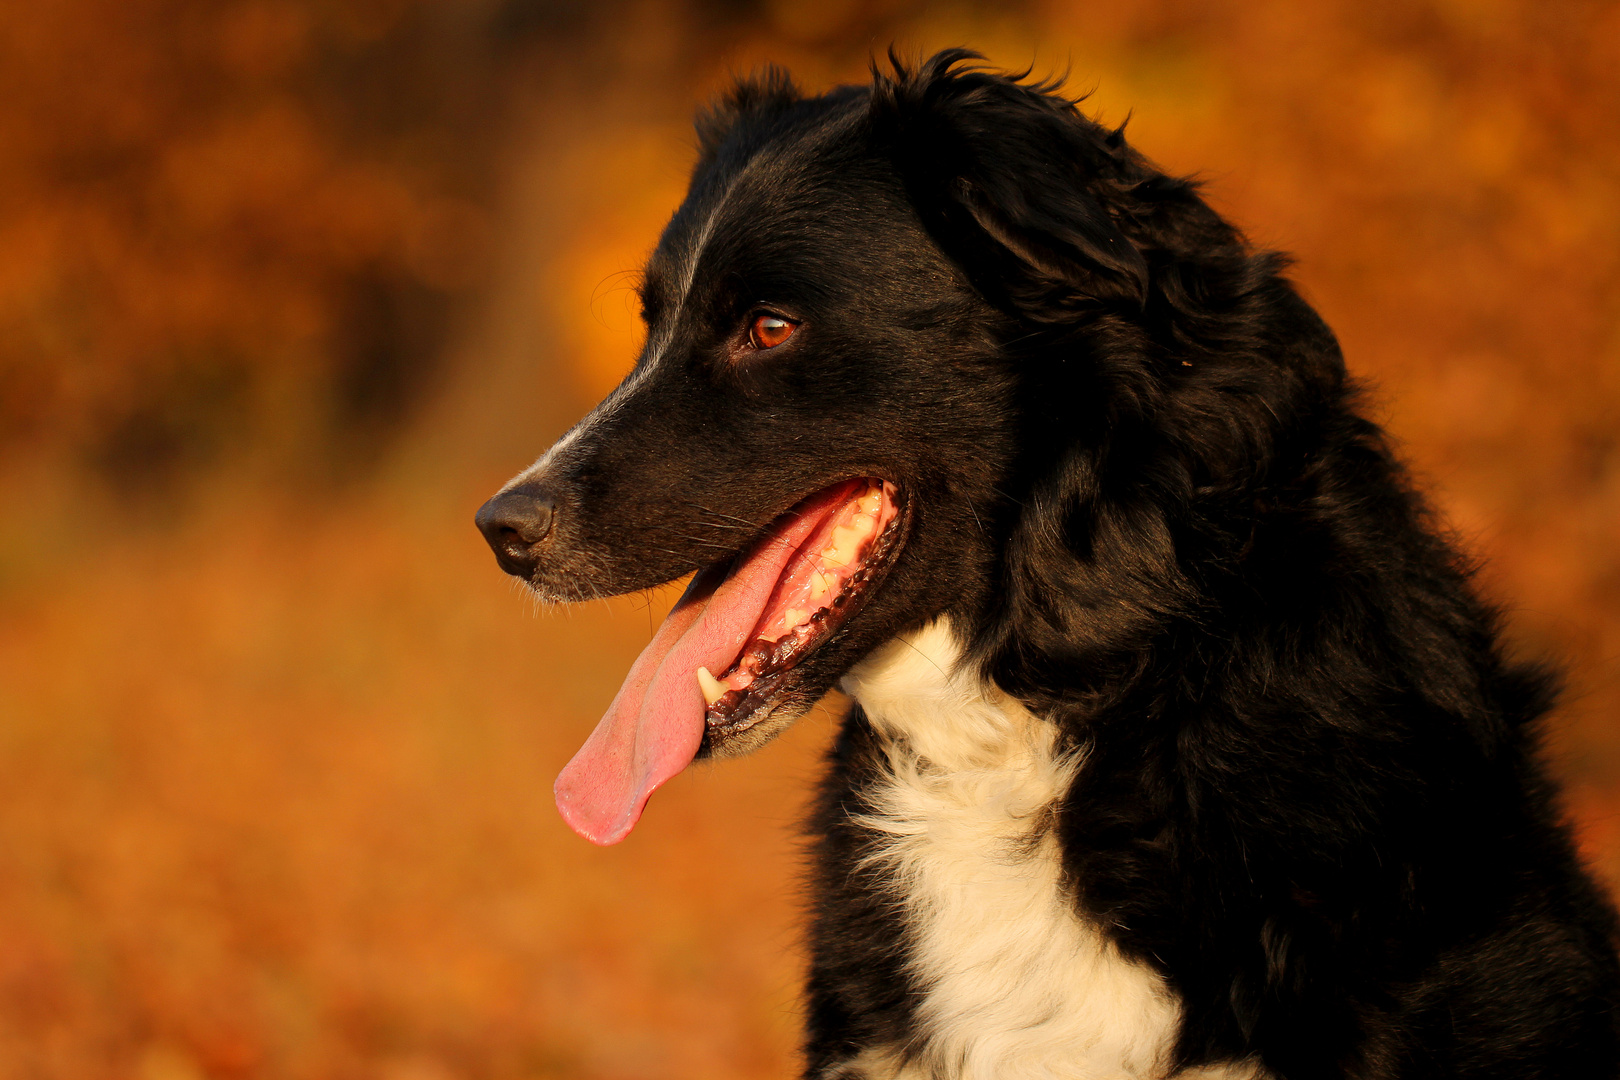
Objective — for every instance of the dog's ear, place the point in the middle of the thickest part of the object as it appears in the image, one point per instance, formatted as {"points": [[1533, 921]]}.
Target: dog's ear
{"points": [[767, 89], [1013, 182]]}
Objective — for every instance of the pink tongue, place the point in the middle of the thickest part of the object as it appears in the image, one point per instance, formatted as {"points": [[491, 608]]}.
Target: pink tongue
{"points": [[654, 726]]}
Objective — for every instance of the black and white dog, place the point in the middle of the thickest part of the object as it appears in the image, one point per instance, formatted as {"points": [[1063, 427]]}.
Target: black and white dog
{"points": [[1183, 746]]}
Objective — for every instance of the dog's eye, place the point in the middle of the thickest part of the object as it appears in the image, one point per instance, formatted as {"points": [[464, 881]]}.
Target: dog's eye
{"points": [[767, 331]]}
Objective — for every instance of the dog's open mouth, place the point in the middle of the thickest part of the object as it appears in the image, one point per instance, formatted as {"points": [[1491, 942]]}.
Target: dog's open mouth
{"points": [[815, 593], [728, 650]]}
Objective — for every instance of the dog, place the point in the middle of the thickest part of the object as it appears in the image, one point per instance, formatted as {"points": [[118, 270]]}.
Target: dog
{"points": [[1182, 744]]}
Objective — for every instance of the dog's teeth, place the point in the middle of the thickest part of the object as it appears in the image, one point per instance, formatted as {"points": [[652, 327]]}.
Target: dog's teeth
{"points": [[713, 689], [793, 617], [841, 552], [820, 584], [870, 504]]}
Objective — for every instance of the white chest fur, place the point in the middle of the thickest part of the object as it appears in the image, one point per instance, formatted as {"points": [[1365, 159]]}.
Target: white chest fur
{"points": [[1017, 984]]}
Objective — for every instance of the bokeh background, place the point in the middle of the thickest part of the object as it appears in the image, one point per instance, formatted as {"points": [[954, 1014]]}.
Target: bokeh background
{"points": [[288, 287]]}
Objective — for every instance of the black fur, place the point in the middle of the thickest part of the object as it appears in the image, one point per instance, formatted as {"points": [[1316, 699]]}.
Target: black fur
{"points": [[1137, 479]]}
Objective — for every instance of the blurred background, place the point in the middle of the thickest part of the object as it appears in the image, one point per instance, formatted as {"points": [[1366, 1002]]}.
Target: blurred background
{"points": [[288, 287]]}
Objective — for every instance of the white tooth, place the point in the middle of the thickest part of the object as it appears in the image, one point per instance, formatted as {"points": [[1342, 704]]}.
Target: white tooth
{"points": [[713, 689], [794, 617], [870, 504], [845, 542], [820, 585]]}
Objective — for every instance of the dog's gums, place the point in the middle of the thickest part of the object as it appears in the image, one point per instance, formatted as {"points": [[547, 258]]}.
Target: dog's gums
{"points": [[813, 597], [753, 616]]}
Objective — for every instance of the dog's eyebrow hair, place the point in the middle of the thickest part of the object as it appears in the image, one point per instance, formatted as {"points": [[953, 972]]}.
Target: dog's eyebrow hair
{"points": [[689, 265], [782, 152]]}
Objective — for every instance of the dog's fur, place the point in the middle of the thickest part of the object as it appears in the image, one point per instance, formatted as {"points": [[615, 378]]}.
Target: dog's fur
{"points": [[1183, 744]]}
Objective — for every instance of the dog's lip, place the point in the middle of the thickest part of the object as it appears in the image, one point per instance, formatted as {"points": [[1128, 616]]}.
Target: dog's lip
{"points": [[779, 683]]}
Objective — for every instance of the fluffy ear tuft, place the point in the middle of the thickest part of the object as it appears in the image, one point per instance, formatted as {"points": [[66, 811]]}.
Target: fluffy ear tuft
{"points": [[1010, 178], [768, 88]]}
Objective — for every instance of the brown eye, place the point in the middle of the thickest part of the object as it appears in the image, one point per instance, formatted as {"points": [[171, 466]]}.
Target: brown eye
{"points": [[769, 331]]}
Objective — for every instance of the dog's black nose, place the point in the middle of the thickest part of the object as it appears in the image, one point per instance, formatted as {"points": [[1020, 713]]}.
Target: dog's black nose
{"points": [[515, 523]]}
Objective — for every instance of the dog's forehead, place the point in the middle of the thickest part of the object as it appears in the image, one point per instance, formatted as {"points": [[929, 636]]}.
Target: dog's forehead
{"points": [[753, 184]]}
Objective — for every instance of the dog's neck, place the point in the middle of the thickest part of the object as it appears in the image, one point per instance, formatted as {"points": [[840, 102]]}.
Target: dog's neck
{"points": [[925, 702], [1013, 980]]}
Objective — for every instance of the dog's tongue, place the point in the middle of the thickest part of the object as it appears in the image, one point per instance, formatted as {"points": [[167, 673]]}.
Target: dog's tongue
{"points": [[655, 724]]}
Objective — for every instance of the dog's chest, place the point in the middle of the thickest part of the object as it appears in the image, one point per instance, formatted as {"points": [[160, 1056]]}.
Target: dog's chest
{"points": [[1014, 982]]}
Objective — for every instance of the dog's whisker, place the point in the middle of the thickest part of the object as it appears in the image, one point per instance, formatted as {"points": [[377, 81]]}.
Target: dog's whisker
{"points": [[709, 543], [1004, 495], [744, 522], [975, 514]]}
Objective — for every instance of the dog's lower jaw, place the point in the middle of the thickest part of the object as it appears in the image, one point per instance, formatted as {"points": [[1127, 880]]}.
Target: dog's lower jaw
{"points": [[722, 743], [1014, 981]]}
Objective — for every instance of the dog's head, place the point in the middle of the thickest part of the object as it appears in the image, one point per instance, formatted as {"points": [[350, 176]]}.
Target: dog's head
{"points": [[845, 402]]}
